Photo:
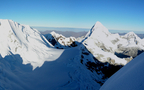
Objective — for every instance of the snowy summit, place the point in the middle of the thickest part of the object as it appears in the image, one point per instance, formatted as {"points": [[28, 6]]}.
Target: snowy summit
{"points": [[31, 61], [26, 41]]}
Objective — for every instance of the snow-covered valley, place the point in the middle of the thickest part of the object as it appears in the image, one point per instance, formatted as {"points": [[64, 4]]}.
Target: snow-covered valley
{"points": [[31, 61]]}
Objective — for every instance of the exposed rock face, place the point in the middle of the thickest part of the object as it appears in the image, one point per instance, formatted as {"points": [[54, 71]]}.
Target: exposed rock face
{"points": [[130, 51], [61, 42], [106, 47], [108, 52], [94, 65], [102, 44], [130, 77], [112, 48]]}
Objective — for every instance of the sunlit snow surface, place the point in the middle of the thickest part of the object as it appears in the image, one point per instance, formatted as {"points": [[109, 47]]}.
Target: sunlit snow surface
{"points": [[130, 77], [99, 37], [29, 62], [27, 42], [103, 45], [65, 73]]}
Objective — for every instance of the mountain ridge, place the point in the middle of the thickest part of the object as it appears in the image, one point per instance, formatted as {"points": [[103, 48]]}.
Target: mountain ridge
{"points": [[21, 38], [28, 60]]}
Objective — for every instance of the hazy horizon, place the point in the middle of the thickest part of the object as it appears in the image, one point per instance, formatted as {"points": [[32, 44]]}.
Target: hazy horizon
{"points": [[42, 29], [113, 14]]}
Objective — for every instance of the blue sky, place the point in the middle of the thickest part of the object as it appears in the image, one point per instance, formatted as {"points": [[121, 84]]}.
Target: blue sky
{"points": [[113, 14]]}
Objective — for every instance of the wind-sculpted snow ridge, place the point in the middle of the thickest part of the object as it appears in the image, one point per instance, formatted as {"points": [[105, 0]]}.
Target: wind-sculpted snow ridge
{"points": [[130, 77], [61, 42], [27, 42]]}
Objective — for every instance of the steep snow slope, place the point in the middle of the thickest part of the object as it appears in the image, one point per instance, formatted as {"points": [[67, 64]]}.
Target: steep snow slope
{"points": [[100, 34], [29, 62], [26, 41], [112, 48], [130, 77], [99, 42], [67, 72]]}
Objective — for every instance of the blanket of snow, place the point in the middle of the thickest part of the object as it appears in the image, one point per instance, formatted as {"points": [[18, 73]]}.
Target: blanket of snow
{"points": [[99, 37], [103, 45], [130, 77], [130, 40], [26, 41], [65, 73], [29, 62]]}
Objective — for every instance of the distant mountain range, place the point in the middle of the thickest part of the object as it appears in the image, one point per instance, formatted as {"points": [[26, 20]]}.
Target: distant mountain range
{"points": [[66, 33], [80, 33]]}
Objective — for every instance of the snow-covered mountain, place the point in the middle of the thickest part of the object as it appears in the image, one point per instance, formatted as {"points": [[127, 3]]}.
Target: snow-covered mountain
{"points": [[130, 45], [112, 48], [130, 77], [110, 51], [99, 42], [59, 41], [26, 41], [100, 35], [29, 62]]}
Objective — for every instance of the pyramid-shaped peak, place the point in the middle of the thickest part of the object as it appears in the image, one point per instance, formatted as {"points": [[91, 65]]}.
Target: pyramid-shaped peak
{"points": [[98, 24], [99, 27], [98, 30]]}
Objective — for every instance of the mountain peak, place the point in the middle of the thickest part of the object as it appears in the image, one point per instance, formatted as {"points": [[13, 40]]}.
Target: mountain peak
{"points": [[98, 24], [131, 35], [29, 43], [98, 30], [99, 27]]}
